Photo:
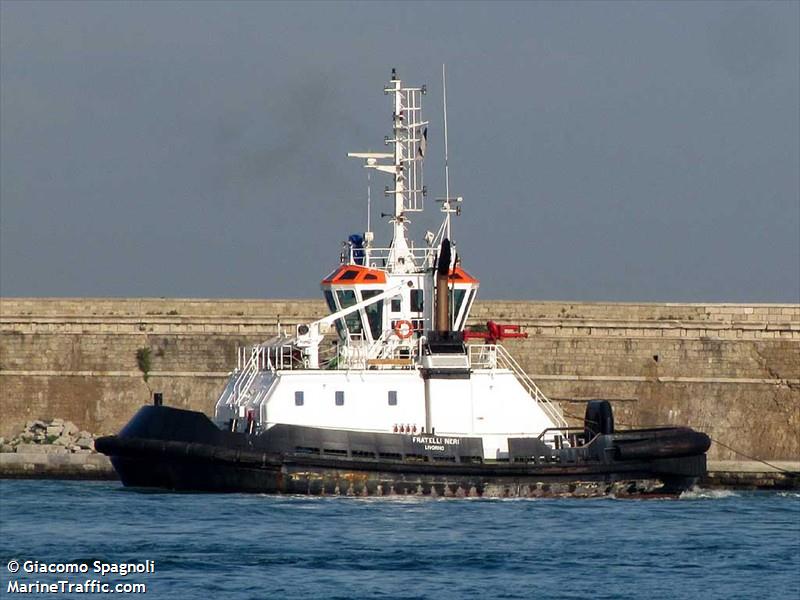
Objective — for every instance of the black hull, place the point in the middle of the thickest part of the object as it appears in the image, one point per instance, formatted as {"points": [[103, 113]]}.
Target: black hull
{"points": [[182, 450]]}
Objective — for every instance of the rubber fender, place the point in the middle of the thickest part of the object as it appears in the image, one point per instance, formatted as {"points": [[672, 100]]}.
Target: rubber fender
{"points": [[668, 444], [599, 419]]}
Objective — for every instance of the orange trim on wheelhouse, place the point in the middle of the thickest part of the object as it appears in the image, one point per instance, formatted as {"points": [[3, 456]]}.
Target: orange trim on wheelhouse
{"points": [[354, 274], [459, 275]]}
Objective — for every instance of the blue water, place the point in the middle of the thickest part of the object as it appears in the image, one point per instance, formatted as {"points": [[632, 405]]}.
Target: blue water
{"points": [[706, 545]]}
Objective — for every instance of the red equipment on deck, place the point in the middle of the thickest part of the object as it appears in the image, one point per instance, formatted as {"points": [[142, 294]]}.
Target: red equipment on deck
{"points": [[495, 332]]}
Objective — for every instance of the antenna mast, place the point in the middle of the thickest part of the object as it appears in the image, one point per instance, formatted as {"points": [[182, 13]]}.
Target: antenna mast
{"points": [[409, 140], [447, 209], [369, 201], [446, 204]]}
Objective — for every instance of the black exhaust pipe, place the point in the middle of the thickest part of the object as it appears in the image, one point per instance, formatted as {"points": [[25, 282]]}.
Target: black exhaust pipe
{"points": [[442, 319]]}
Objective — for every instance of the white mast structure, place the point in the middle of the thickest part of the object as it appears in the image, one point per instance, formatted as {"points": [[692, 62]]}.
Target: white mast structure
{"points": [[409, 141]]}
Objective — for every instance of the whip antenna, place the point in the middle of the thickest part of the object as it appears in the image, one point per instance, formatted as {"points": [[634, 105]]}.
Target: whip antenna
{"points": [[446, 205], [447, 208]]}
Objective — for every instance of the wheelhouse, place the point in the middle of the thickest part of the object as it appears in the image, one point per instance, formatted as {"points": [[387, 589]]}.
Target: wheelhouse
{"points": [[407, 314]]}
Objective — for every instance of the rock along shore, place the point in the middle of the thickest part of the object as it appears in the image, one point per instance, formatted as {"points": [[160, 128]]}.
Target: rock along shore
{"points": [[53, 449]]}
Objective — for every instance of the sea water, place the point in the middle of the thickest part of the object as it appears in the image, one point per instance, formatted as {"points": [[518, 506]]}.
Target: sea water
{"points": [[703, 545]]}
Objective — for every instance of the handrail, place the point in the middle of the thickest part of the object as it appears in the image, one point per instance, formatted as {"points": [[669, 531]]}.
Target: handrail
{"points": [[572, 439], [576, 429], [248, 374], [243, 370], [372, 257], [277, 356]]}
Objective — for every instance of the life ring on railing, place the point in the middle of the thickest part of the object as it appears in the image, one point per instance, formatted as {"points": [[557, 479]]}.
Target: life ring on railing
{"points": [[404, 329]]}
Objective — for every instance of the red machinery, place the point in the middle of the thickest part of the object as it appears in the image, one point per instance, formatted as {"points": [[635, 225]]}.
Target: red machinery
{"points": [[495, 332]]}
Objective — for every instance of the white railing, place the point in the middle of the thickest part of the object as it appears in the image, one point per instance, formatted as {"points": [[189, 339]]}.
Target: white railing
{"points": [[482, 356], [360, 354], [246, 371], [329, 357], [493, 356], [355, 354], [281, 357], [247, 374], [377, 258], [246, 384]]}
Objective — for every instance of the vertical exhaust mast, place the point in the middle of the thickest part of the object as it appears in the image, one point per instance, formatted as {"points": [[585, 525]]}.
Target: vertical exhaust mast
{"points": [[442, 321]]}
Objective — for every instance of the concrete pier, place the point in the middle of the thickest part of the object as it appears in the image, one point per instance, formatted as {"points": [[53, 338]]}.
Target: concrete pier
{"points": [[753, 475], [55, 466]]}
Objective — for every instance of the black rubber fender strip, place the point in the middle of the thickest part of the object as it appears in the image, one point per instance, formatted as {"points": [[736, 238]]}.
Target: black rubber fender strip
{"points": [[140, 447], [675, 443]]}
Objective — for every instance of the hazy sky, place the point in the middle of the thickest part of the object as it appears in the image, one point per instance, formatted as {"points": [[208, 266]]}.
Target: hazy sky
{"points": [[631, 151]]}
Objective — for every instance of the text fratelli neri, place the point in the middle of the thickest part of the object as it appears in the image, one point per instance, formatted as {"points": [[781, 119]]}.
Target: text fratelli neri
{"points": [[435, 443]]}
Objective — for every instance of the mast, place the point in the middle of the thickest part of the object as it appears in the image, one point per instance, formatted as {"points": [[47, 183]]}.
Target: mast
{"points": [[409, 146], [447, 207], [446, 204]]}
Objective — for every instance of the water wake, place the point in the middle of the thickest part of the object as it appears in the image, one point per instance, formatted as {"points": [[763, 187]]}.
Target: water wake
{"points": [[697, 493]]}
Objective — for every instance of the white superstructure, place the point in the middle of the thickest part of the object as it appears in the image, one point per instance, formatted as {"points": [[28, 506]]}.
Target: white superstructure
{"points": [[383, 372]]}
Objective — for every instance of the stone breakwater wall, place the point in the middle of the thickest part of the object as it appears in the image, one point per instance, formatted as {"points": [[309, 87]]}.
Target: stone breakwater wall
{"points": [[728, 369]]}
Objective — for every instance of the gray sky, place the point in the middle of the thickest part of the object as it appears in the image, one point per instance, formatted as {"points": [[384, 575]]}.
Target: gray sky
{"points": [[631, 152]]}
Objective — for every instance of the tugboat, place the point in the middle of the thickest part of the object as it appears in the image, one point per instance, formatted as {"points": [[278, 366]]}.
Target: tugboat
{"points": [[402, 401]]}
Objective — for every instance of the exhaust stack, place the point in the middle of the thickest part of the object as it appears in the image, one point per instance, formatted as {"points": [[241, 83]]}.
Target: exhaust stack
{"points": [[442, 317]]}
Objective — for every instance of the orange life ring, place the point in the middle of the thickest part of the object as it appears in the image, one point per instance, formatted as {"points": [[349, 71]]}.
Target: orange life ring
{"points": [[404, 329]]}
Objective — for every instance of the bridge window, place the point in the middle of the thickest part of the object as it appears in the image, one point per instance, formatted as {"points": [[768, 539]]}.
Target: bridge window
{"points": [[339, 398], [416, 300], [456, 300], [329, 301], [332, 307], [468, 307], [392, 398], [374, 313], [298, 398], [346, 299], [397, 304]]}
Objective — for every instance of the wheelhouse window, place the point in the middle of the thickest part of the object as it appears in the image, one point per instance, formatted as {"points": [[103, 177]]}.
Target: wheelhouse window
{"points": [[392, 398], [374, 313], [298, 398], [339, 398], [347, 298], [332, 307], [397, 304], [417, 297], [456, 301], [472, 294], [329, 301]]}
